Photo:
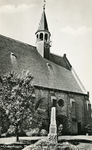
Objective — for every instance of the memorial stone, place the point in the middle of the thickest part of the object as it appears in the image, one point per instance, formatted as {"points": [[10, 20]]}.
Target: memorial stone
{"points": [[53, 127]]}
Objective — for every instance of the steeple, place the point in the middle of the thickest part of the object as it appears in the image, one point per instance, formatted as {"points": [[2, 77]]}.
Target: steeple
{"points": [[43, 25], [43, 36]]}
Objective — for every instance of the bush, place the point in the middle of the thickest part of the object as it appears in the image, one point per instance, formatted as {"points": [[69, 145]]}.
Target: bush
{"points": [[45, 144], [60, 128], [43, 132], [33, 132], [22, 133], [11, 131]]}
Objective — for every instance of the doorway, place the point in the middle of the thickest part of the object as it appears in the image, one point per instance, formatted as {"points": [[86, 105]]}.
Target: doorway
{"points": [[79, 128]]}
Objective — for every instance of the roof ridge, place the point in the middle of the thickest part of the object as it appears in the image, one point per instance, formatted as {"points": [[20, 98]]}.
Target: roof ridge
{"points": [[17, 40], [56, 55]]}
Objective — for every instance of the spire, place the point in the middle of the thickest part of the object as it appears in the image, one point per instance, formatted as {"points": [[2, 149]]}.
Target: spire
{"points": [[44, 4], [43, 25], [43, 36]]}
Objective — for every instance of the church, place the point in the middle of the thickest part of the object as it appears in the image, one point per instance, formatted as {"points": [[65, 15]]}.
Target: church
{"points": [[54, 79]]}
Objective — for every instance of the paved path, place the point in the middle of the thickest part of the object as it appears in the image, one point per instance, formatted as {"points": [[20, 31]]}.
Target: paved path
{"points": [[10, 140], [81, 137]]}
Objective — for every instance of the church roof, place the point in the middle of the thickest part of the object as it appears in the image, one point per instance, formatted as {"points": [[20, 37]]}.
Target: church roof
{"points": [[61, 61], [43, 25], [46, 73]]}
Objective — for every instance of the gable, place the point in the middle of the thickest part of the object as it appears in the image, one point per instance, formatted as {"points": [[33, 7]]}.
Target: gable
{"points": [[61, 61]]}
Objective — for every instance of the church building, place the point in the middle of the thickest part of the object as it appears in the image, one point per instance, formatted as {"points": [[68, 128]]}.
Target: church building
{"points": [[54, 79]]}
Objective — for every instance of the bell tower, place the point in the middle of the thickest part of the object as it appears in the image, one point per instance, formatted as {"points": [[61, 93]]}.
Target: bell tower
{"points": [[43, 37]]}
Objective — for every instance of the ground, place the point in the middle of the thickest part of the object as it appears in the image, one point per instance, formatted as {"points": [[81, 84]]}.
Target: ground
{"points": [[11, 140], [83, 142]]}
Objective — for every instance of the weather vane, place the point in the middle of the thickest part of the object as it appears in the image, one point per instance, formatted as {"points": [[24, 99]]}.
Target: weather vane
{"points": [[44, 4]]}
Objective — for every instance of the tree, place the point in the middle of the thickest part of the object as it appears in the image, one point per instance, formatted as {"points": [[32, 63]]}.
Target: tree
{"points": [[4, 121], [41, 116], [17, 99]]}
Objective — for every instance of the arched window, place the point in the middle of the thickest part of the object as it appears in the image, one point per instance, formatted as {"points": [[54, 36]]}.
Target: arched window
{"points": [[46, 37], [72, 102], [53, 100], [41, 36], [37, 36]]}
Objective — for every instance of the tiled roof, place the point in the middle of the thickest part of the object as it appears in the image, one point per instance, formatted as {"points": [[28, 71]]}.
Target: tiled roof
{"points": [[46, 73], [61, 61]]}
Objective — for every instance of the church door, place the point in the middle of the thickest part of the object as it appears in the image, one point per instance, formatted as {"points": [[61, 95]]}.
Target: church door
{"points": [[79, 128]]}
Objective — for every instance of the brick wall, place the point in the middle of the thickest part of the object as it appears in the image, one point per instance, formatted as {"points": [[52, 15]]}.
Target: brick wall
{"points": [[73, 114], [73, 111]]}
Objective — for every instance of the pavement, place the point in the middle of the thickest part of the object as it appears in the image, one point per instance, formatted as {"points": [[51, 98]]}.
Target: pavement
{"points": [[11, 140], [79, 137]]}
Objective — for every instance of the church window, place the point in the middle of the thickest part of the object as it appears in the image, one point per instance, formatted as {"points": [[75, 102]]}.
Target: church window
{"points": [[49, 66], [53, 101], [72, 102], [41, 36], [13, 58], [46, 37], [60, 103], [73, 105], [88, 105], [37, 36]]}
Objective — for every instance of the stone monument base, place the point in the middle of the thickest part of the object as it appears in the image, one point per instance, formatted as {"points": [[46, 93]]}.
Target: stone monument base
{"points": [[52, 138]]}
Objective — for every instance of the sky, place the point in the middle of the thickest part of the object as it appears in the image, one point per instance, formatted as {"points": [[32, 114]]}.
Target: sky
{"points": [[70, 25]]}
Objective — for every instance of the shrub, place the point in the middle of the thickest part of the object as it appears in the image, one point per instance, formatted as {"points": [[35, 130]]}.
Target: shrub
{"points": [[11, 131], [43, 132], [22, 133], [33, 132], [60, 128], [46, 145]]}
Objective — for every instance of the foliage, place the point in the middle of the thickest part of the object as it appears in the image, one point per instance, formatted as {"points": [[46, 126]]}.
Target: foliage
{"points": [[17, 98], [88, 129], [43, 132], [11, 131], [47, 145], [33, 132], [60, 128], [4, 121], [41, 114]]}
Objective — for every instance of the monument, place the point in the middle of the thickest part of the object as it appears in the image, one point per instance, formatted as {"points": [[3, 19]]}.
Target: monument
{"points": [[52, 136]]}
